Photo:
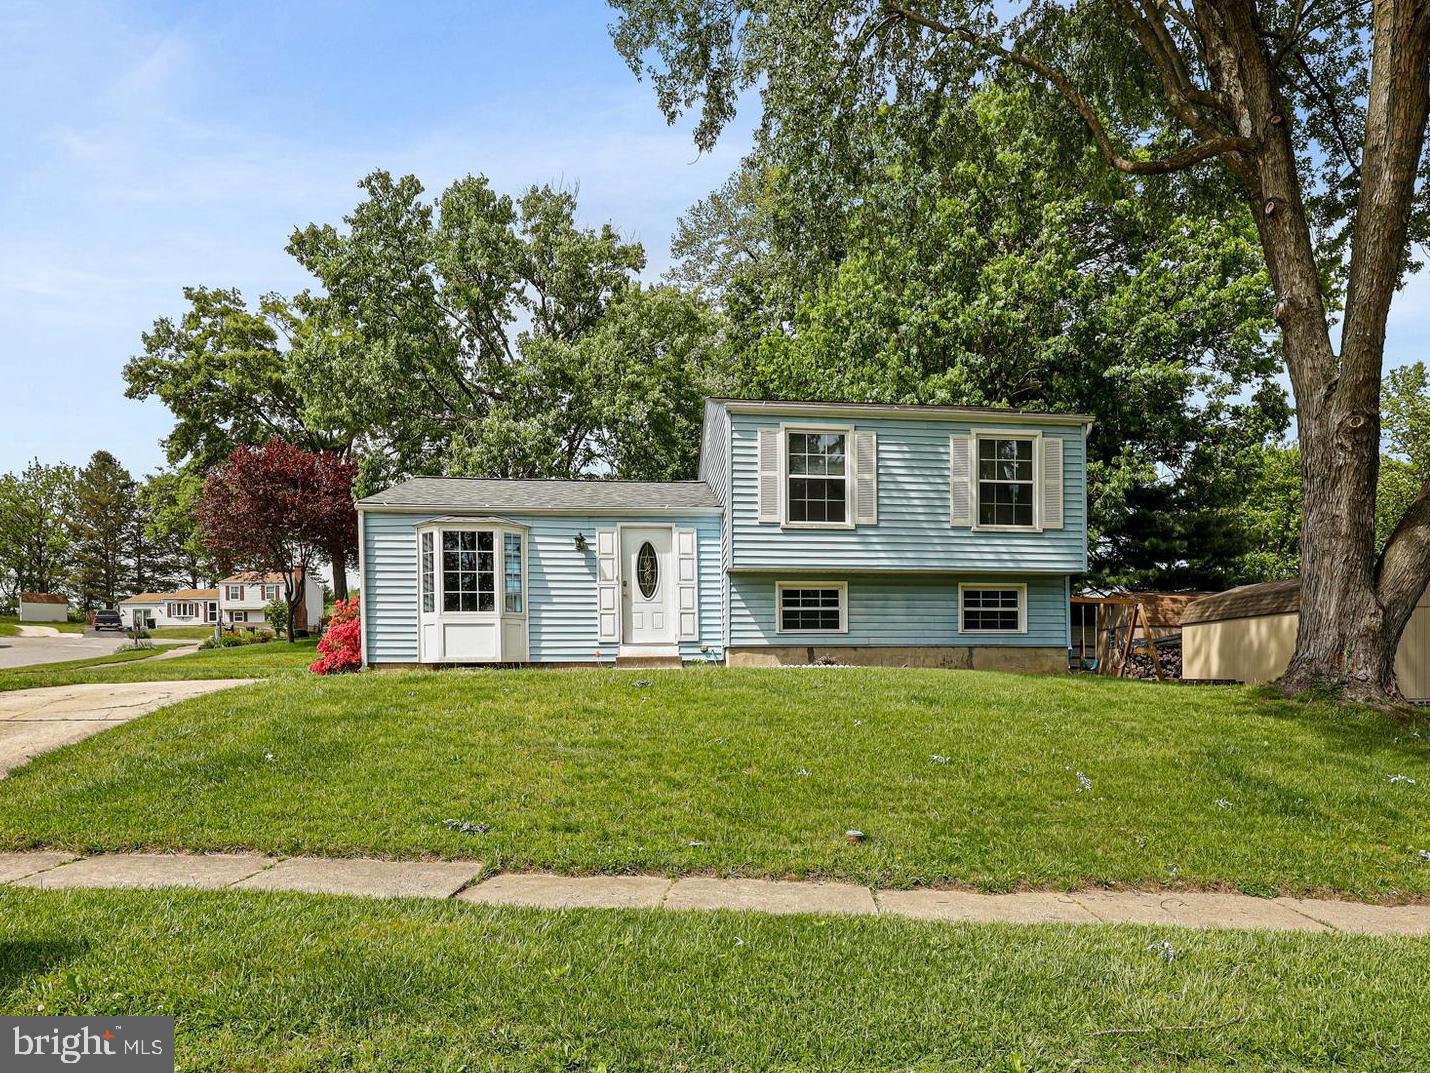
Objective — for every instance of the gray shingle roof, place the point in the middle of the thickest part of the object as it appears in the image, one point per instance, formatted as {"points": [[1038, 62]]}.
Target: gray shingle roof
{"points": [[470, 493]]}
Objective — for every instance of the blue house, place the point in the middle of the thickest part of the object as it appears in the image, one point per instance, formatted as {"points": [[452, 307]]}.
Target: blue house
{"points": [[862, 533]]}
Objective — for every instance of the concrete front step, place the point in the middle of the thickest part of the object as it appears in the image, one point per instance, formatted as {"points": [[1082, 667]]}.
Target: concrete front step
{"points": [[448, 879]]}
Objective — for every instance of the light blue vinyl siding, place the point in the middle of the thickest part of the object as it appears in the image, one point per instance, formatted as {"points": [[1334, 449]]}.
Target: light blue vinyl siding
{"points": [[913, 531], [897, 609], [560, 581]]}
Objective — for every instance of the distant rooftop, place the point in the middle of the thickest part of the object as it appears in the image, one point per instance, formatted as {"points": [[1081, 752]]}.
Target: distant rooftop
{"points": [[475, 493]]}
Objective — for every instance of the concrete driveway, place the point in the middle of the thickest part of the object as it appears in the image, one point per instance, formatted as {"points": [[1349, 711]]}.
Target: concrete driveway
{"points": [[36, 720], [28, 651]]}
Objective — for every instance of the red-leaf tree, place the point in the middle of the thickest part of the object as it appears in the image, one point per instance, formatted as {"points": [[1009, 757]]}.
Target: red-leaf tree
{"points": [[278, 508]]}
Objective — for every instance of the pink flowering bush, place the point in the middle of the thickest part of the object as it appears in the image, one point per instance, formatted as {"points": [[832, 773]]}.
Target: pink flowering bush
{"points": [[341, 647]]}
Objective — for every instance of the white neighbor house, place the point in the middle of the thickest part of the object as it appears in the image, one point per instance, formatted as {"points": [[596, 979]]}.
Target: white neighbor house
{"points": [[242, 598], [183, 607]]}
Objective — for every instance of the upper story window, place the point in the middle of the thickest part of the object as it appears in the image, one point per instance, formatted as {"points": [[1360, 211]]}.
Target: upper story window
{"points": [[233, 592], [1006, 481], [270, 592], [468, 570], [817, 476]]}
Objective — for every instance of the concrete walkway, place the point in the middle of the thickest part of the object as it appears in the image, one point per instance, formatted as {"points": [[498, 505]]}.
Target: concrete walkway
{"points": [[36, 720], [459, 880]]}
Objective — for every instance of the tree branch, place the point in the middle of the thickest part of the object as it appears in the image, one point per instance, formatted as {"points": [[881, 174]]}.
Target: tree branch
{"points": [[1206, 149]]}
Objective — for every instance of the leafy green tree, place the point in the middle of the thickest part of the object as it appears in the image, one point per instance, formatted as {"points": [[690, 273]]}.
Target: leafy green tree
{"points": [[222, 369], [170, 536], [35, 535], [455, 335], [973, 273], [106, 507], [1312, 116]]}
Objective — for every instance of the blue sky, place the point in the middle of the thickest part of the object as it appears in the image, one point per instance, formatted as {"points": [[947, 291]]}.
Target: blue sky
{"points": [[146, 146]]}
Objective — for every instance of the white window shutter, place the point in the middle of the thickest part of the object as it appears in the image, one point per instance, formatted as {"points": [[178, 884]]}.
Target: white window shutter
{"points": [[608, 586], [687, 585], [1052, 482], [960, 478], [769, 471], [866, 478]]}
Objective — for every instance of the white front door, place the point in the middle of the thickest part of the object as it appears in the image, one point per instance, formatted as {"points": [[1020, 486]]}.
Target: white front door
{"points": [[647, 581]]}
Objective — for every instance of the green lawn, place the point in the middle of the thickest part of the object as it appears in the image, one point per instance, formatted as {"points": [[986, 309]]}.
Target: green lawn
{"points": [[993, 780], [182, 633], [8, 624], [246, 661], [334, 983]]}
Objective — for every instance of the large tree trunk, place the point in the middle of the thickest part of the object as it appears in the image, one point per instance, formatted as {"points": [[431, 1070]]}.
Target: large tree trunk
{"points": [[337, 556]]}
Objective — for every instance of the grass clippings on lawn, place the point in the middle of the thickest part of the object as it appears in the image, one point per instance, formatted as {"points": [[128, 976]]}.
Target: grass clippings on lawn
{"points": [[990, 780], [293, 982]]}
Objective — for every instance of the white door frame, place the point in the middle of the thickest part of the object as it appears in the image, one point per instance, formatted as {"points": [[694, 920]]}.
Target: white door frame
{"points": [[667, 571]]}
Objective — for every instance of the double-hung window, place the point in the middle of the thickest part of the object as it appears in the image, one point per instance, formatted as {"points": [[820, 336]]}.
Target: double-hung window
{"points": [[817, 477], [812, 607], [270, 593], [469, 570], [233, 592], [992, 608], [1006, 481]]}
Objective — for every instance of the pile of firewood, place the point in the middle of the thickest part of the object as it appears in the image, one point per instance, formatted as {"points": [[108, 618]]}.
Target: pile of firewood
{"points": [[1169, 653]]}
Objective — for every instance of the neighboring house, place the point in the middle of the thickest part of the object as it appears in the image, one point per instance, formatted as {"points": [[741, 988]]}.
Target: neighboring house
{"points": [[1247, 634], [901, 535], [43, 607], [243, 597], [182, 607]]}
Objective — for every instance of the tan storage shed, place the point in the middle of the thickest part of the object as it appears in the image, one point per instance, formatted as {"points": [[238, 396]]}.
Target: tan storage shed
{"points": [[43, 607], [1248, 635]]}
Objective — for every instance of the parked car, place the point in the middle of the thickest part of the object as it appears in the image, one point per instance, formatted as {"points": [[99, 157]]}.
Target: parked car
{"points": [[108, 620]]}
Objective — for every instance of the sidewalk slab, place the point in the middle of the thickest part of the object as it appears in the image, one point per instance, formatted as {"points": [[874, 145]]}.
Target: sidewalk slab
{"points": [[570, 892], [1034, 907], [19, 865], [770, 896], [1365, 919], [361, 876], [146, 870], [1196, 909], [34, 721]]}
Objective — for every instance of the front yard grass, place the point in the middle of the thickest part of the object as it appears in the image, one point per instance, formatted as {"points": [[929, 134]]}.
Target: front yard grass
{"points": [[274, 659], [991, 780], [286, 983], [9, 626]]}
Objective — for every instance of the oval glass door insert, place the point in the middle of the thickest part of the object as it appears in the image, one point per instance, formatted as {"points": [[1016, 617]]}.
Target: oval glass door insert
{"points": [[647, 570]]}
